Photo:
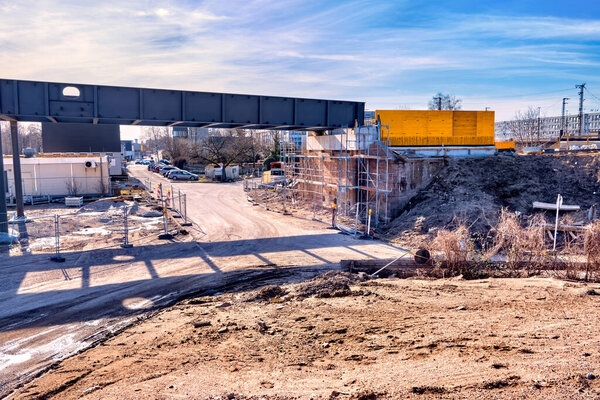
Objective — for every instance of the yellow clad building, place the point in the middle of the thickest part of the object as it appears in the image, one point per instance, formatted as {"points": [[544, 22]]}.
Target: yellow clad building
{"points": [[437, 128]]}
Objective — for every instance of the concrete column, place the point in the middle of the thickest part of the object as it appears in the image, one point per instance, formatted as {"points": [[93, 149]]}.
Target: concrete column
{"points": [[14, 135], [3, 215]]}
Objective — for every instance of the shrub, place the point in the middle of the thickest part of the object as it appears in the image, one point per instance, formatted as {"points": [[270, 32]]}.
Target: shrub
{"points": [[456, 248], [591, 249], [521, 246]]}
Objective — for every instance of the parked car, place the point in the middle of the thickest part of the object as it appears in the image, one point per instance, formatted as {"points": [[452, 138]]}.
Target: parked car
{"points": [[180, 175], [158, 166], [166, 169], [151, 166], [168, 173], [166, 162]]}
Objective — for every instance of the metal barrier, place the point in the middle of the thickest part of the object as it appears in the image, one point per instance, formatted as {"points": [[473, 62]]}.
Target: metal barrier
{"points": [[103, 223], [283, 198], [169, 197]]}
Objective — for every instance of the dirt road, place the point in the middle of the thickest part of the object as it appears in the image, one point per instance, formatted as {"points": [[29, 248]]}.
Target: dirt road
{"points": [[386, 339], [49, 311]]}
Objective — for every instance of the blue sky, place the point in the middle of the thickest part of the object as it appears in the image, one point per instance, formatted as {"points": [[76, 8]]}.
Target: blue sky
{"points": [[506, 55]]}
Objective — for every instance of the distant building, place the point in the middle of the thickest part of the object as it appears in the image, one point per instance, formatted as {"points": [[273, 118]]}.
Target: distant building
{"points": [[127, 150], [194, 134], [369, 117], [550, 126], [295, 138]]}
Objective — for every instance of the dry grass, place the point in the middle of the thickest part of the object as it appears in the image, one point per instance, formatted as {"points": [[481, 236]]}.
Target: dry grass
{"points": [[591, 248], [456, 248], [521, 246]]}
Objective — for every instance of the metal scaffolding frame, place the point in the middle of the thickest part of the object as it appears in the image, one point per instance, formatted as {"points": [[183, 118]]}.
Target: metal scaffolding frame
{"points": [[356, 177]]}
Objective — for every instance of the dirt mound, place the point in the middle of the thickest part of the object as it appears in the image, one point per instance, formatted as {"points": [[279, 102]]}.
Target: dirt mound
{"points": [[329, 284], [111, 207], [475, 190], [235, 396], [268, 293]]}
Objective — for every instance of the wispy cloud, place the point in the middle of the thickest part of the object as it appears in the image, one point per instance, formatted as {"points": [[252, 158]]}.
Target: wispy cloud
{"points": [[383, 52]]}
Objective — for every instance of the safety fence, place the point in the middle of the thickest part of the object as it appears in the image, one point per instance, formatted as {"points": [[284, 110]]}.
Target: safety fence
{"points": [[283, 197], [109, 222], [103, 223], [169, 197]]}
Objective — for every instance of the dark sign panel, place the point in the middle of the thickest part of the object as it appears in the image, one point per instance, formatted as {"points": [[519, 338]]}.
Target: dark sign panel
{"points": [[80, 138]]}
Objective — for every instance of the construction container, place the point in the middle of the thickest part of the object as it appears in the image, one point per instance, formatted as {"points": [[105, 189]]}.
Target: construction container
{"points": [[506, 146], [437, 128], [215, 173], [60, 175]]}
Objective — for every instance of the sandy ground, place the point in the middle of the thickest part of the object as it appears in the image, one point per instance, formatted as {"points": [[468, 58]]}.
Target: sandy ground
{"points": [[381, 339], [49, 311]]}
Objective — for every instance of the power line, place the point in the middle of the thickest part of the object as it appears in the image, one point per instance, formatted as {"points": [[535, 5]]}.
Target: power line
{"points": [[593, 95], [532, 94]]}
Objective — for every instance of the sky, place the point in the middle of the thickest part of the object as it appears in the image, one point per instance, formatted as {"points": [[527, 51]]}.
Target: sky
{"points": [[505, 55]]}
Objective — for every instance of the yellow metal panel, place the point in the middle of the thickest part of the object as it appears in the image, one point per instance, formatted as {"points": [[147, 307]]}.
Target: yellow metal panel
{"points": [[437, 128], [485, 123], [508, 145], [266, 178]]}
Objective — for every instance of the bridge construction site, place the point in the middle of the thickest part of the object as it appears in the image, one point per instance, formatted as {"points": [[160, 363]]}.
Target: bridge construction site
{"points": [[290, 283], [369, 173]]}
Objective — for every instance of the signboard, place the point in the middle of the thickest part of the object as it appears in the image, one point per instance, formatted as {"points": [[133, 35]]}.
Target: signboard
{"points": [[80, 138]]}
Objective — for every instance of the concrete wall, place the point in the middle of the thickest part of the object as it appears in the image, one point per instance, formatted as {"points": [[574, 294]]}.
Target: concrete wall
{"points": [[407, 178], [60, 176], [326, 174], [351, 140]]}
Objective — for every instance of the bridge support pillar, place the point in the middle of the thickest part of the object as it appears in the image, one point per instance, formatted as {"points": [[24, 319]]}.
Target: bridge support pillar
{"points": [[14, 134], [3, 214]]}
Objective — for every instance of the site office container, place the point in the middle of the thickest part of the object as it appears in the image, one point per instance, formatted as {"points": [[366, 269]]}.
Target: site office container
{"points": [[508, 145], [437, 128]]}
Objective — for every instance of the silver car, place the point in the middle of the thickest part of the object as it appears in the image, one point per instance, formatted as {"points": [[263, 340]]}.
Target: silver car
{"points": [[180, 175]]}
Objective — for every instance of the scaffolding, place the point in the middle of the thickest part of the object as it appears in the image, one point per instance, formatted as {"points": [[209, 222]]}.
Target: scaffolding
{"points": [[352, 175]]}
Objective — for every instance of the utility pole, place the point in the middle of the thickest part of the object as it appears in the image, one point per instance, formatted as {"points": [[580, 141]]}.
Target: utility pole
{"points": [[439, 102], [580, 87], [539, 122], [563, 127]]}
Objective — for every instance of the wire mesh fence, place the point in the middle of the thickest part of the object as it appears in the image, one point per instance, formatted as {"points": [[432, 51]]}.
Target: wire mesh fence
{"points": [[99, 224], [54, 228]]}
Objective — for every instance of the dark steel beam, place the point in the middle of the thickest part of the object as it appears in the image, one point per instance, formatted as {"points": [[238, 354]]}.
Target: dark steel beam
{"points": [[71, 102]]}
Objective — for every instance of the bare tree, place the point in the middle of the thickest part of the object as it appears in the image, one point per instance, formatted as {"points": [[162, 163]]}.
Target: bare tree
{"points": [[525, 127], [30, 135], [444, 102], [154, 138], [225, 147], [6, 142]]}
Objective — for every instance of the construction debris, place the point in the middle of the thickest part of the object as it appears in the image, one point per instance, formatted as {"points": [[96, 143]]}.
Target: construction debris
{"points": [[552, 206]]}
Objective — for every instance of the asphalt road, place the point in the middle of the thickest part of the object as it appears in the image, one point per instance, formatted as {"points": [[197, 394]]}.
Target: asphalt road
{"points": [[49, 311]]}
